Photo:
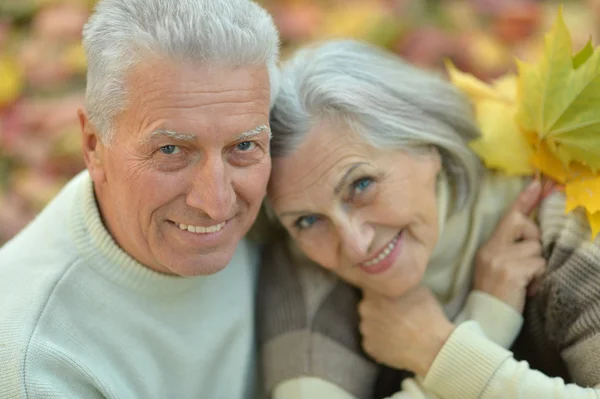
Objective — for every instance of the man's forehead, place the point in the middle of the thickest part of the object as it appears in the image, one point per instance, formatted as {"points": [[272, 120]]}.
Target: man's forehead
{"points": [[161, 73]]}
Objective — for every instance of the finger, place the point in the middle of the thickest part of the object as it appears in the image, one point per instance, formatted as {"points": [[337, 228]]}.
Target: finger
{"points": [[516, 226], [364, 308], [528, 230], [524, 249], [549, 187], [369, 348], [536, 282], [533, 267], [362, 327], [528, 199]]}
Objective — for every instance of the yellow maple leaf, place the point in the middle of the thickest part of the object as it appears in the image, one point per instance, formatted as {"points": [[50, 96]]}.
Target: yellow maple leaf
{"points": [[559, 113], [559, 99], [594, 221], [544, 160], [502, 145], [583, 192], [549, 120]]}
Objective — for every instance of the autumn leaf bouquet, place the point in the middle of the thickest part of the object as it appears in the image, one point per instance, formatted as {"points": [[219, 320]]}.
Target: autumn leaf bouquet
{"points": [[545, 120]]}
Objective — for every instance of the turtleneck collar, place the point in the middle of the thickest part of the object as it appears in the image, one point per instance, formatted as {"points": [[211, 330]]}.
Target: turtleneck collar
{"points": [[98, 247], [446, 264]]}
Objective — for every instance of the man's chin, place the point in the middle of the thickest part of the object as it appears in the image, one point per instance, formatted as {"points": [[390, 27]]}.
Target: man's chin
{"points": [[200, 264]]}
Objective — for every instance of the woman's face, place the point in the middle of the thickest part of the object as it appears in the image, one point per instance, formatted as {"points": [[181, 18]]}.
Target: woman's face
{"points": [[368, 215]]}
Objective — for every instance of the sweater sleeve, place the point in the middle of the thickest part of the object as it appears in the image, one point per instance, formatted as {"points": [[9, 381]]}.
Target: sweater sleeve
{"points": [[471, 366], [307, 322], [309, 387], [499, 321]]}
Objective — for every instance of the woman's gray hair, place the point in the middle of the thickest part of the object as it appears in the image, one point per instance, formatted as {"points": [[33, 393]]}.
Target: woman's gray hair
{"points": [[121, 33], [379, 96]]}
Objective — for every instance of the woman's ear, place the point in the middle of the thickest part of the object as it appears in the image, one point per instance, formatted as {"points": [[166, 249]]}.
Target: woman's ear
{"points": [[92, 146]]}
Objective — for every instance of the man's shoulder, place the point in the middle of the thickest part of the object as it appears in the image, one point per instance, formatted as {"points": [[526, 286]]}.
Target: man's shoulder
{"points": [[32, 263], [26, 291], [28, 278], [31, 296]]}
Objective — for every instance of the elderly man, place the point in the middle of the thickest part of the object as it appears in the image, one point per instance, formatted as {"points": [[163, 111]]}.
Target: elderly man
{"points": [[136, 281]]}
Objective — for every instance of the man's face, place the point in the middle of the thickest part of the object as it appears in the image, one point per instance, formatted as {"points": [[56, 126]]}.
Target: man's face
{"points": [[182, 179]]}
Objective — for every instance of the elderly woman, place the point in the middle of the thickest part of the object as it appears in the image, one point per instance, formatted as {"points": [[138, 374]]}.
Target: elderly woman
{"points": [[374, 182]]}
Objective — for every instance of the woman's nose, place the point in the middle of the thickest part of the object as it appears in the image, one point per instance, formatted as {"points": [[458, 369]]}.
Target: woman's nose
{"points": [[355, 240]]}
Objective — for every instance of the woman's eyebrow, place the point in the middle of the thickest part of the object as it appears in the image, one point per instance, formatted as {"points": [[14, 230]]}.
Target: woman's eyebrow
{"points": [[336, 190], [342, 181], [293, 213]]}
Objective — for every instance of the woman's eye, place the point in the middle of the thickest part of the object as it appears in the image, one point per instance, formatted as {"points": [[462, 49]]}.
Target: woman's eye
{"points": [[306, 221], [362, 184], [170, 149], [246, 146]]}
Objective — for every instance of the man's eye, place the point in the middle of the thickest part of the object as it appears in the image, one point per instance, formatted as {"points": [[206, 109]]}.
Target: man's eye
{"points": [[306, 221], [170, 149], [362, 184], [246, 146]]}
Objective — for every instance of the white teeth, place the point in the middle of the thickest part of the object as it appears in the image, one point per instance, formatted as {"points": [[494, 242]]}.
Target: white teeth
{"points": [[387, 250], [201, 229]]}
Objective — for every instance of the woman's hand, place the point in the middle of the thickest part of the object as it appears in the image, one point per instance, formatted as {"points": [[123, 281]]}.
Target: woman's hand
{"points": [[404, 333], [510, 264]]}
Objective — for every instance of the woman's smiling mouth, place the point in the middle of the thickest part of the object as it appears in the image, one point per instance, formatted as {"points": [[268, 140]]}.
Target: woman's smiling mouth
{"points": [[384, 259]]}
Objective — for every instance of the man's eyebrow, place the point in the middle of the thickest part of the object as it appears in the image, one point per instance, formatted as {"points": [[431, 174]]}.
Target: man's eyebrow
{"points": [[254, 132], [170, 134], [342, 181]]}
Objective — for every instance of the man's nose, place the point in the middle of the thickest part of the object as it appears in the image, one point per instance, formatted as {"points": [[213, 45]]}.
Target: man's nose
{"points": [[212, 190], [356, 239]]}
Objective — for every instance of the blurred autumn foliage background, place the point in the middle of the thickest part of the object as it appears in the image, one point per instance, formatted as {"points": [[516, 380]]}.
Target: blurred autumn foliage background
{"points": [[42, 66]]}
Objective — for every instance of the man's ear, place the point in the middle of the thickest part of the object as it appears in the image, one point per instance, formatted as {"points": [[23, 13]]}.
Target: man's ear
{"points": [[93, 149]]}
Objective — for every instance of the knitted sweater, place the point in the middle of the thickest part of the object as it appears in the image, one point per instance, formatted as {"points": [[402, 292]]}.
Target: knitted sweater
{"points": [[562, 326], [79, 318]]}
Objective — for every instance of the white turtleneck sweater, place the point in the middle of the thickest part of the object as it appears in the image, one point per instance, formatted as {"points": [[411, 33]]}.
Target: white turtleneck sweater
{"points": [[80, 318]]}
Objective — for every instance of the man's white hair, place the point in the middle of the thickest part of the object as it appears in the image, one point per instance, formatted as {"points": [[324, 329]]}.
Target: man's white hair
{"points": [[122, 33]]}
